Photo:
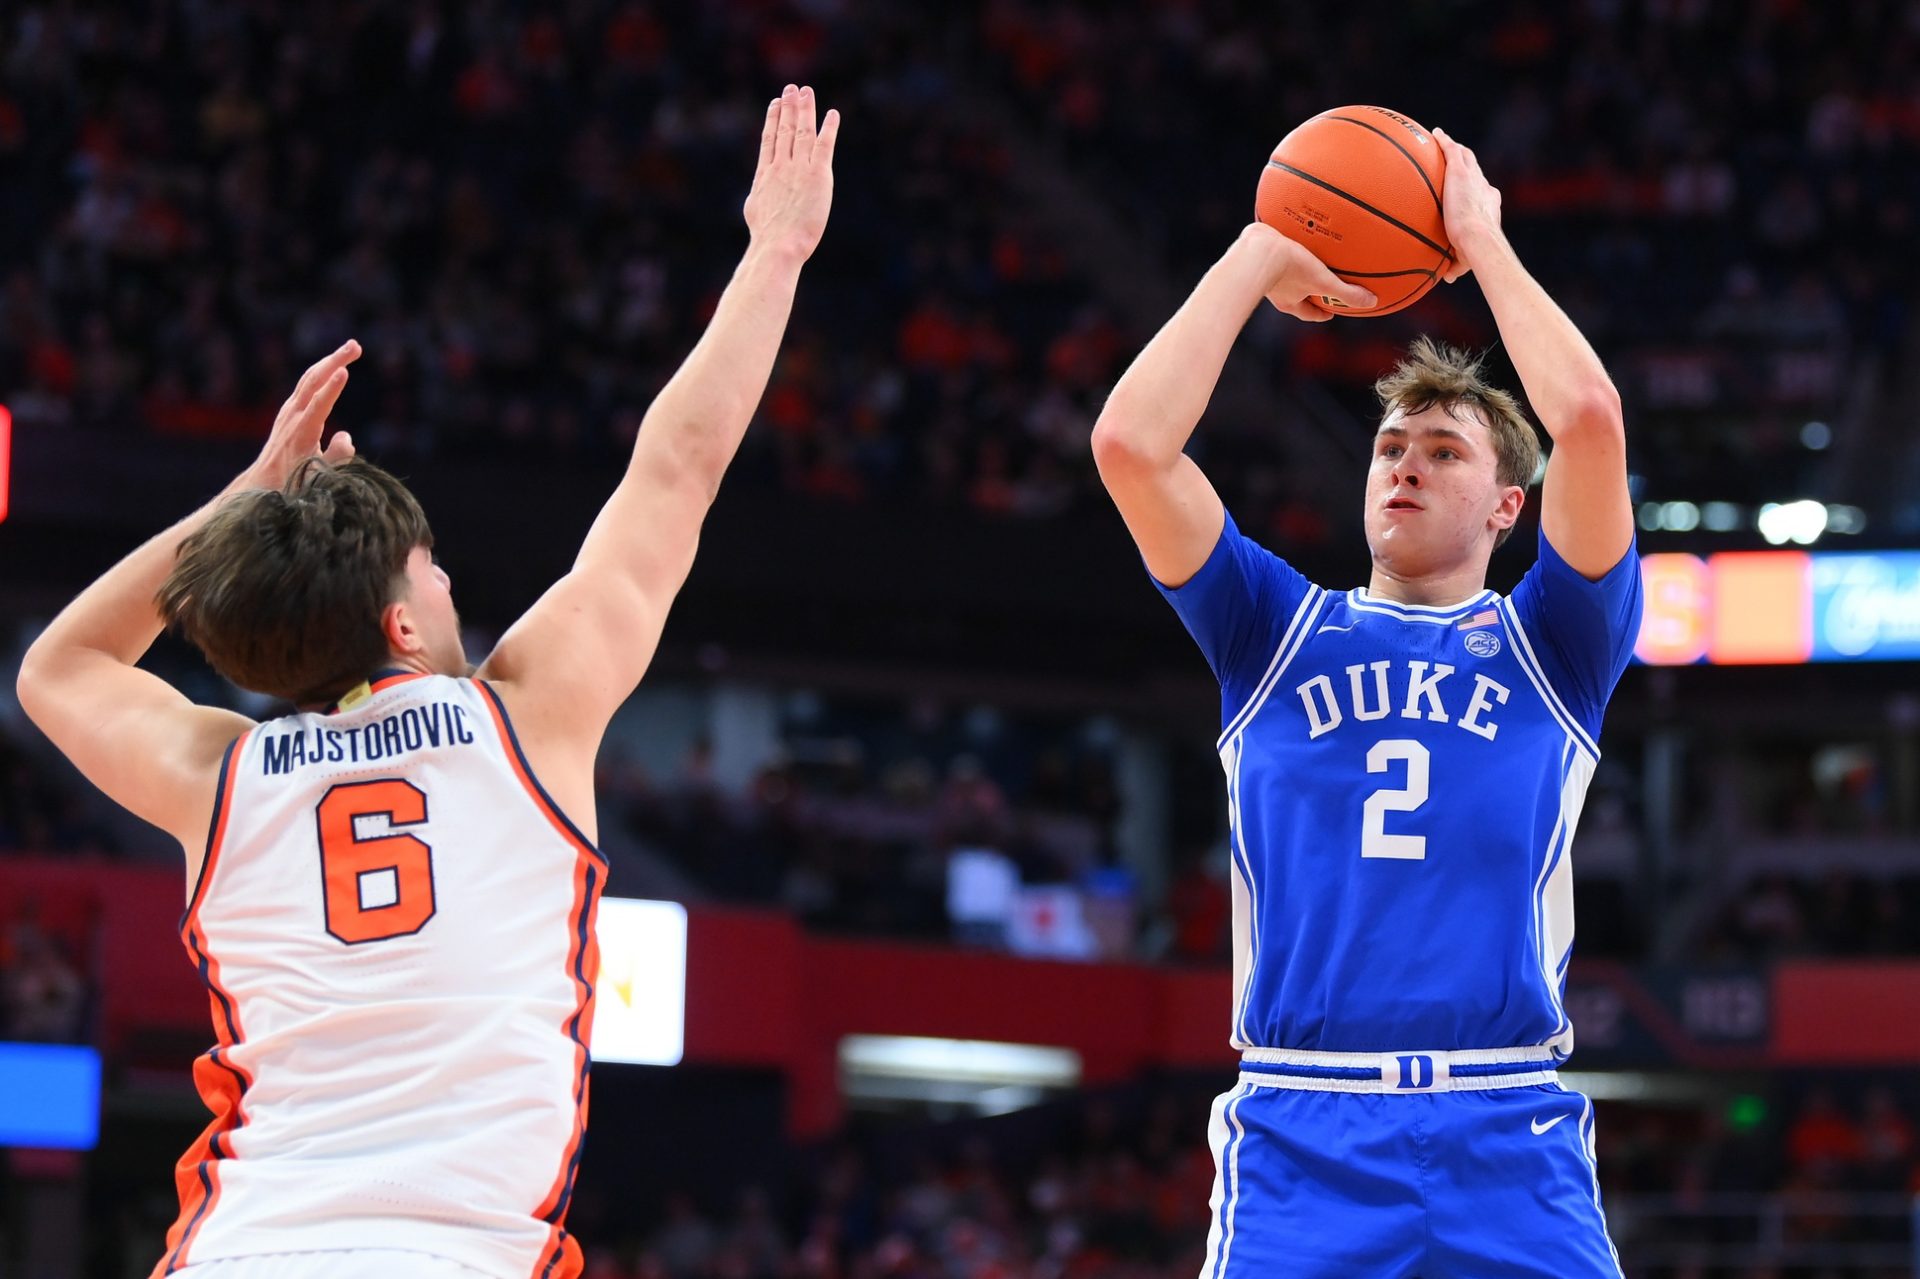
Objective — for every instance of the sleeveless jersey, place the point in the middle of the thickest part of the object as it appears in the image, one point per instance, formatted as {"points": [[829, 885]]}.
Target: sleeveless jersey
{"points": [[395, 926], [1403, 785]]}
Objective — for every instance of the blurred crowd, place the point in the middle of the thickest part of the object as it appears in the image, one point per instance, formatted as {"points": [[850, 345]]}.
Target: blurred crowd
{"points": [[38, 812], [1721, 194], [45, 995], [872, 820], [526, 214], [1836, 912]]}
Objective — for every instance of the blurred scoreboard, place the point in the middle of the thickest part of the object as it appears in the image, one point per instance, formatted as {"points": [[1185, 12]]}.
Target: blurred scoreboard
{"points": [[1780, 607]]}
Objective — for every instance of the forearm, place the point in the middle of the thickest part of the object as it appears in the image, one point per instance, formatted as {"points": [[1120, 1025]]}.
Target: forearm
{"points": [[1564, 378], [116, 615], [1156, 405], [694, 427]]}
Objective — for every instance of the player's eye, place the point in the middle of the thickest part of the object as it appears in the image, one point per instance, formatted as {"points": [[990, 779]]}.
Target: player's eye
{"points": [[1446, 453]]}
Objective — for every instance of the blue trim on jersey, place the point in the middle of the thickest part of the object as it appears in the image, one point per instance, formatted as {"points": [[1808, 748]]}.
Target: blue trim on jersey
{"points": [[559, 1212], [213, 826], [1324, 1072], [1481, 1070], [1230, 1172], [204, 1169], [513, 740]]}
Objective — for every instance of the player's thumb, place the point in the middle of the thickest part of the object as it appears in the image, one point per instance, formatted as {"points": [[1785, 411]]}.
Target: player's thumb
{"points": [[339, 448], [1341, 293]]}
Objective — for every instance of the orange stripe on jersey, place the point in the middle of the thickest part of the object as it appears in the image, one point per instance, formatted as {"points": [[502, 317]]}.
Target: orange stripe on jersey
{"points": [[216, 832], [561, 1258], [222, 1084]]}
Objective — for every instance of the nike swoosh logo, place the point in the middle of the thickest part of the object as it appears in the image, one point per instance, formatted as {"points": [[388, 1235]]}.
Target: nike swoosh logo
{"points": [[1324, 629], [1539, 1127]]}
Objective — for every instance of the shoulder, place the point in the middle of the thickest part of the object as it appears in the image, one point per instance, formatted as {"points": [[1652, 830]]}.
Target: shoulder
{"points": [[546, 752]]}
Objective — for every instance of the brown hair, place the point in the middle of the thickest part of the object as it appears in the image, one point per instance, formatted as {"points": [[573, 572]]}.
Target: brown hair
{"points": [[283, 589], [1434, 373]]}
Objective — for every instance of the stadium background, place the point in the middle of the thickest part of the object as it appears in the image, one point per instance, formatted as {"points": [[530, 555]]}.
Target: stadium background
{"points": [[922, 754]]}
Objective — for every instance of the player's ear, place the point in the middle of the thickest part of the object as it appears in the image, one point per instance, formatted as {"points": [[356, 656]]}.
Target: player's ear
{"points": [[1513, 499], [396, 623]]}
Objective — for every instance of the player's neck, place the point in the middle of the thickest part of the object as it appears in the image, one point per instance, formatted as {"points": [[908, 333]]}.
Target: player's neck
{"points": [[1433, 590]]}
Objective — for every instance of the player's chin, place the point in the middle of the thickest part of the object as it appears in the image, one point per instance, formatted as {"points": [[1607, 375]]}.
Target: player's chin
{"points": [[1398, 545]]}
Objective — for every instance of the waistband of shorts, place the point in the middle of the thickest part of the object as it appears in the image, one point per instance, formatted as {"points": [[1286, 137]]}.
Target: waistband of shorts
{"points": [[1459, 1070]]}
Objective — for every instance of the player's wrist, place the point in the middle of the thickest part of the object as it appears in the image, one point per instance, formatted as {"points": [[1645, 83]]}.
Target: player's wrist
{"points": [[257, 476], [1263, 254], [1475, 241], [783, 252]]}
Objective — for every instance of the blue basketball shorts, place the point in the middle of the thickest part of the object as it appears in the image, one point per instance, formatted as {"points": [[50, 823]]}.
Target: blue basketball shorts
{"points": [[1468, 1179]]}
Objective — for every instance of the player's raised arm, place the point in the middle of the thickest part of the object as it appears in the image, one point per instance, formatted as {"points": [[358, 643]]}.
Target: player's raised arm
{"points": [[130, 732], [578, 653], [1585, 510], [1169, 506]]}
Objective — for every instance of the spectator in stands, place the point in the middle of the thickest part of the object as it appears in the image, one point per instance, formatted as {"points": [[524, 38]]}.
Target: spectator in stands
{"points": [[686, 1242], [1886, 1144], [1823, 1136], [45, 996]]}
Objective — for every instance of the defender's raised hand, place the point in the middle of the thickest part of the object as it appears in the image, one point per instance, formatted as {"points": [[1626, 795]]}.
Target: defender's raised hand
{"points": [[793, 187], [302, 420]]}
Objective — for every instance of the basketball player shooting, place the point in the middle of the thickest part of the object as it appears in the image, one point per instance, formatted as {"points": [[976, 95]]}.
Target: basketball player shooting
{"points": [[393, 917], [1405, 767]]}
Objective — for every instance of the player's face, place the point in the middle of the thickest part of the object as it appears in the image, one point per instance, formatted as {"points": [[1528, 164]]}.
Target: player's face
{"points": [[1434, 497], [430, 609]]}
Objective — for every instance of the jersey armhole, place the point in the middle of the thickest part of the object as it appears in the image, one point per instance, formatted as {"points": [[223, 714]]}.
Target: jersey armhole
{"points": [[524, 771], [1530, 663], [216, 828], [1290, 641]]}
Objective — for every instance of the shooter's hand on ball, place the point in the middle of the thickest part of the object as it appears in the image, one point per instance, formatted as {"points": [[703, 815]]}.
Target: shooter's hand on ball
{"points": [[1299, 283], [1470, 203]]}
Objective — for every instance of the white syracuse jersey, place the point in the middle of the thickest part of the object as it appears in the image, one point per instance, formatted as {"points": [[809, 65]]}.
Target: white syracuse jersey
{"points": [[395, 925]]}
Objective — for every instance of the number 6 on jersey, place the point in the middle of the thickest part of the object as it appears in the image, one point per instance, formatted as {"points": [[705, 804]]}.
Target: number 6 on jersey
{"points": [[379, 886]]}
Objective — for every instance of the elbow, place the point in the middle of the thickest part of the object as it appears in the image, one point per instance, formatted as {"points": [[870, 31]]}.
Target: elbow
{"points": [[1596, 413], [1601, 406], [31, 680], [1118, 450]]}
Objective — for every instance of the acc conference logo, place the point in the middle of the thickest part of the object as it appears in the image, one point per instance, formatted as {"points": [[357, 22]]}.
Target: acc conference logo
{"points": [[1483, 643]]}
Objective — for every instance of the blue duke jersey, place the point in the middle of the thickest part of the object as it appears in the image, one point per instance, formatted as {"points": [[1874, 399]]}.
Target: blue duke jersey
{"points": [[1403, 785]]}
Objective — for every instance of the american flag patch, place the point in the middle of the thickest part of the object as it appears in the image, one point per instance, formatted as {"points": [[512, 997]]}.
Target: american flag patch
{"points": [[1487, 618]]}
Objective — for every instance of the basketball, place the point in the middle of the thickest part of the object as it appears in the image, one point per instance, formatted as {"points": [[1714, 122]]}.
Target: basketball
{"points": [[1360, 186]]}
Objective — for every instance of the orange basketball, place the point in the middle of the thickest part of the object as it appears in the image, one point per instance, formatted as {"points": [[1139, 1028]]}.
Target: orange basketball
{"points": [[1360, 186]]}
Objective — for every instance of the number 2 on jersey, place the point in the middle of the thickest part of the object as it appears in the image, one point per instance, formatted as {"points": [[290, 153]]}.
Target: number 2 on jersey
{"points": [[376, 886], [1374, 840]]}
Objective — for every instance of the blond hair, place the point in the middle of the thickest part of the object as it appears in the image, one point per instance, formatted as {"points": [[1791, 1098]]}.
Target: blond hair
{"points": [[1434, 373]]}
